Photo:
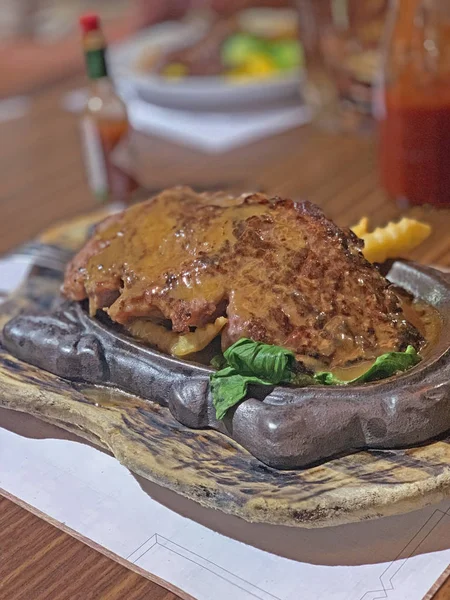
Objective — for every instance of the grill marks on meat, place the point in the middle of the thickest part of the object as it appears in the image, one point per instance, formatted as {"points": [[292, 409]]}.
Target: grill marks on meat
{"points": [[283, 273]]}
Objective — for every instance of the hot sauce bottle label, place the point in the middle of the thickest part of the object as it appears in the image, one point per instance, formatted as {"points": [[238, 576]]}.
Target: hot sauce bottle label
{"points": [[96, 63], [94, 158]]}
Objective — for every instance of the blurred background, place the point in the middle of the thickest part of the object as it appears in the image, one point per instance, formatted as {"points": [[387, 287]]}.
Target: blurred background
{"points": [[344, 102], [40, 38]]}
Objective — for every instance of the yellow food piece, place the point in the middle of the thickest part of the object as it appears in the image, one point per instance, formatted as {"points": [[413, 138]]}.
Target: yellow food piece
{"points": [[175, 71], [198, 339], [361, 228], [153, 334], [174, 343], [392, 241], [257, 65]]}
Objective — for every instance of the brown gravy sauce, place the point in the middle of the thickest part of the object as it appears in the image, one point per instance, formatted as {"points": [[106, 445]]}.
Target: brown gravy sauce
{"points": [[153, 268], [420, 314], [424, 317]]}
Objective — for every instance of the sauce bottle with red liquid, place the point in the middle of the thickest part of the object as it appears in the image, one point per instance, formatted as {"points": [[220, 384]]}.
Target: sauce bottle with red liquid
{"points": [[104, 124], [412, 103]]}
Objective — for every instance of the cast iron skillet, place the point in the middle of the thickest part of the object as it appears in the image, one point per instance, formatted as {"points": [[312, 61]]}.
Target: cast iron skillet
{"points": [[290, 427]]}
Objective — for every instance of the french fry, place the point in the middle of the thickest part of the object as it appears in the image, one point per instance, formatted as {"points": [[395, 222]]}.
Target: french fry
{"points": [[361, 228], [392, 241], [198, 339], [153, 334], [174, 343]]}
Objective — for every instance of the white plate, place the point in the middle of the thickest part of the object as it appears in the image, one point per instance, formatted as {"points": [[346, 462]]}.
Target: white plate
{"points": [[197, 93]]}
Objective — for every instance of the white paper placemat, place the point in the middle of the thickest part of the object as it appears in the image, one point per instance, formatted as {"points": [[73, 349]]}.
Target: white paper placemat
{"points": [[12, 272], [207, 554]]}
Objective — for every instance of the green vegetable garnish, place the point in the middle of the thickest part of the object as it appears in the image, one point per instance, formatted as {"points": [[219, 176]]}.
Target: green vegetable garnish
{"points": [[238, 47], [247, 362], [287, 54], [229, 387], [249, 358], [385, 366]]}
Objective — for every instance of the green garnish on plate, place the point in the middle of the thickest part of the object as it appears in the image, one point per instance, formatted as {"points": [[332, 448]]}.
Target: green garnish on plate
{"points": [[244, 53], [385, 366], [253, 363], [248, 362]]}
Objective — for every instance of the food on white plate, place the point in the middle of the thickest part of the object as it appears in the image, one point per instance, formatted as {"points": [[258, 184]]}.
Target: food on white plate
{"points": [[257, 43]]}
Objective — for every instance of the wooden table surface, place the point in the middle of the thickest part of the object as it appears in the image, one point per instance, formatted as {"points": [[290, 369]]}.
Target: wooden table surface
{"points": [[42, 180], [40, 561]]}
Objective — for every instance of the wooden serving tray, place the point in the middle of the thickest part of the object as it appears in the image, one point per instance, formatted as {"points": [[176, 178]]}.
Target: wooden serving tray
{"points": [[205, 465]]}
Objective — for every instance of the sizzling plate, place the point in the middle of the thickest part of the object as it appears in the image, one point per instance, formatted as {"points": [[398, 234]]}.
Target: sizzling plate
{"points": [[204, 465], [291, 427]]}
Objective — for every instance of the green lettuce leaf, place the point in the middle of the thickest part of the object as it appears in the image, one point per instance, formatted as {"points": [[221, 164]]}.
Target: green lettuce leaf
{"points": [[287, 54], [247, 362], [385, 366], [229, 387], [272, 363], [238, 47]]}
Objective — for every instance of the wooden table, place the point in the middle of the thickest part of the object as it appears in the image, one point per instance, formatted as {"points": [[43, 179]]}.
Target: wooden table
{"points": [[43, 180]]}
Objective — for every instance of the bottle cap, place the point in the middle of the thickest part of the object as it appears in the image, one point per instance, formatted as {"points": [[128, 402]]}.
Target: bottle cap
{"points": [[89, 22]]}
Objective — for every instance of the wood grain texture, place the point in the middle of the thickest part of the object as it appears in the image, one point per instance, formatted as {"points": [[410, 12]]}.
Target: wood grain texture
{"points": [[43, 181], [441, 589], [443, 593], [40, 561]]}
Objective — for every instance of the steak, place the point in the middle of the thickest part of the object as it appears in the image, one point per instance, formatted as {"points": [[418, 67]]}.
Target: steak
{"points": [[279, 270]]}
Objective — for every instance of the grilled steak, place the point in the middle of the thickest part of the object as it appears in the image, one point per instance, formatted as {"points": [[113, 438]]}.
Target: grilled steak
{"points": [[279, 270]]}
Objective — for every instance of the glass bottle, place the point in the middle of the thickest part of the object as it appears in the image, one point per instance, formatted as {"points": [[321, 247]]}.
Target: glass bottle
{"points": [[104, 123], [412, 103], [341, 39]]}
